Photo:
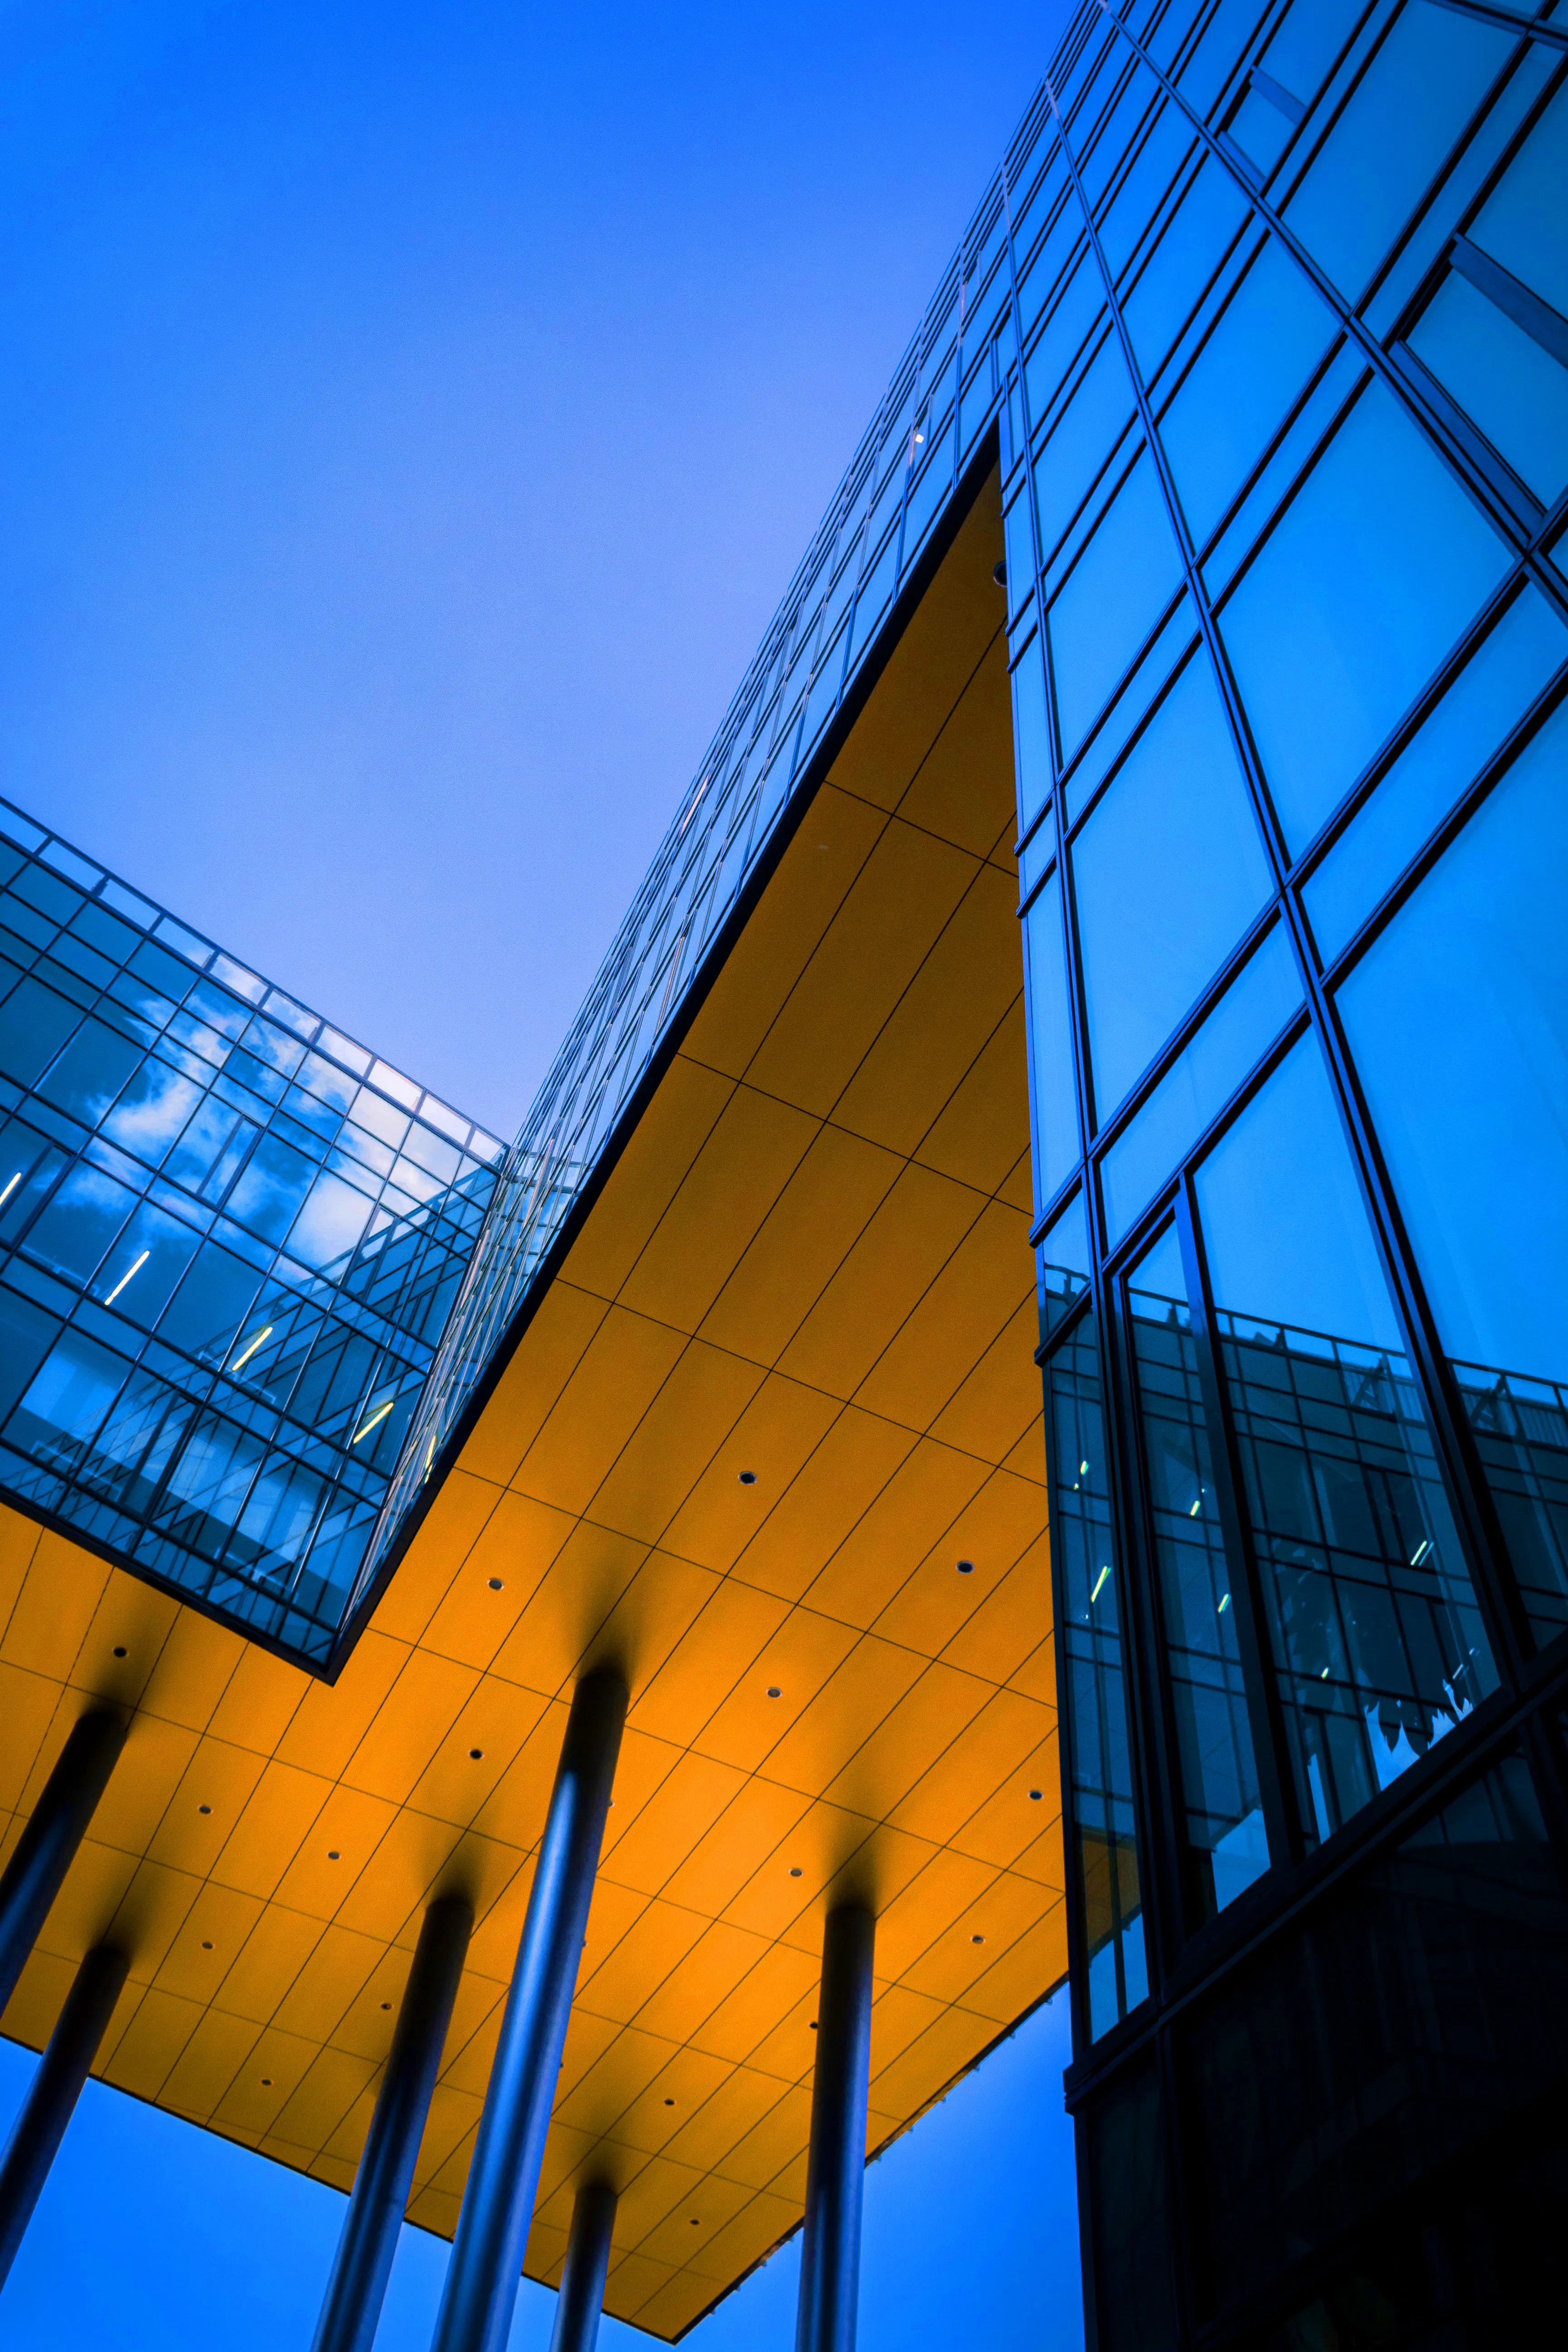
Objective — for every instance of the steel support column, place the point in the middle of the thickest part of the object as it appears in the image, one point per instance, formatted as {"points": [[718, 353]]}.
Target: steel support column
{"points": [[46, 1847], [53, 2093], [352, 2307], [835, 2172], [503, 2177], [582, 2295]]}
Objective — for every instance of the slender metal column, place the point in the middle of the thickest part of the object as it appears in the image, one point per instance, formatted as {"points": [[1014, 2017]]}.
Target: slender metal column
{"points": [[503, 2179], [46, 1847], [53, 2093], [351, 2309], [835, 2172], [582, 2295]]}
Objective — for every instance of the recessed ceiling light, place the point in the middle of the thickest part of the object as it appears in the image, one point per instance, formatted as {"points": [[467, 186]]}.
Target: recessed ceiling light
{"points": [[119, 1651], [669, 2102], [475, 1754], [814, 2025], [966, 1567], [386, 2004], [695, 2223], [495, 1583], [774, 1691], [999, 573], [333, 1855], [207, 1947], [977, 1940], [748, 1478], [1034, 1795], [204, 1809], [794, 1874], [266, 2082]]}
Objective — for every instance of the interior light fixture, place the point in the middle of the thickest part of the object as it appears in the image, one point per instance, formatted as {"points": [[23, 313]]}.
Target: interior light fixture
{"points": [[240, 1362], [380, 1415], [1099, 1580], [133, 1269], [11, 1184]]}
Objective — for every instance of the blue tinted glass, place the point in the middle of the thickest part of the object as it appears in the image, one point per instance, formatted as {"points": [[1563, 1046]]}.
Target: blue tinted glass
{"points": [[1491, 693], [1222, 1817], [1261, 131], [1194, 243], [1168, 871], [1457, 1016], [1114, 594], [91, 1072], [1143, 186], [74, 1231], [1373, 572], [1099, 1766], [1066, 332], [1309, 39], [1376, 1638], [33, 1025], [1378, 1647], [1524, 222], [1032, 732], [1054, 1086], [1093, 421], [1269, 338], [1516, 391], [1232, 1041], [1064, 1263], [1414, 100]]}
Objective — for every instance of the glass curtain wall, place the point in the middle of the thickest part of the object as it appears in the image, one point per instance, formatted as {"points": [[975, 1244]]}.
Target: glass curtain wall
{"points": [[230, 1241], [1283, 473]]}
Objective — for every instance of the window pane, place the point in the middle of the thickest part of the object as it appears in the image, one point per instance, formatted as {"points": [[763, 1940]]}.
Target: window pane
{"points": [[1054, 1086], [1222, 1815], [1100, 1757], [1377, 1641], [1189, 252], [1168, 872], [1458, 1019], [1194, 1091], [1486, 701], [1502, 378], [1373, 572], [1114, 594], [1093, 420], [1415, 97], [1524, 222], [1271, 335], [1064, 1262]]}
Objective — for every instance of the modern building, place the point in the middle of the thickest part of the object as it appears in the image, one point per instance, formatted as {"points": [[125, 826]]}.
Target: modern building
{"points": [[649, 1541]]}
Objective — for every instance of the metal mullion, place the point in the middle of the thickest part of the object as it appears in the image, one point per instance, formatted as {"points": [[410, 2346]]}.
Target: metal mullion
{"points": [[1145, 1631], [1472, 1505], [1378, 359], [1276, 1782], [1528, 28]]}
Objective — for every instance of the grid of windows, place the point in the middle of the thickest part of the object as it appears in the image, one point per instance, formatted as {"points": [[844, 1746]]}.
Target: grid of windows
{"points": [[230, 1239]]}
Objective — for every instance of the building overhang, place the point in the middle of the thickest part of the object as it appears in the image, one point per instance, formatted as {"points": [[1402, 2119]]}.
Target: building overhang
{"points": [[769, 1443]]}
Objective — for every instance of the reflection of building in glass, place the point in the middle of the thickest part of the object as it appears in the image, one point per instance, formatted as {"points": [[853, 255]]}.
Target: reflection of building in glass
{"points": [[1197, 595]]}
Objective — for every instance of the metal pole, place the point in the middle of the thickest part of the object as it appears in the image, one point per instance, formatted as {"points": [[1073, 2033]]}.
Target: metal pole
{"points": [[835, 2172], [53, 2093], [503, 2177], [352, 2308], [582, 2295], [46, 1847]]}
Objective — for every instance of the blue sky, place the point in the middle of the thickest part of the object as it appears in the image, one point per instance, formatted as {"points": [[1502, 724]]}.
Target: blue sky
{"points": [[409, 419]]}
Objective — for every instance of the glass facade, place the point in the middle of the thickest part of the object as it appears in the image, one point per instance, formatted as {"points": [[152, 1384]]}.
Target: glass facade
{"points": [[230, 1240], [1263, 326]]}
